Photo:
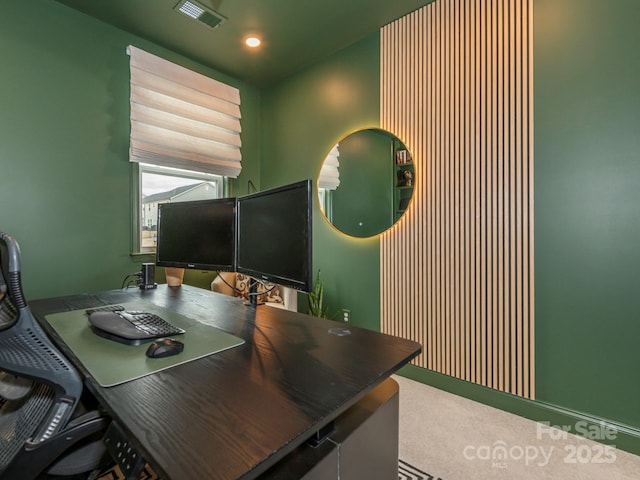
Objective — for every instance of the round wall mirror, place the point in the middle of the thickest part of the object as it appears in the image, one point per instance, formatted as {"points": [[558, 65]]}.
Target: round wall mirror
{"points": [[366, 182]]}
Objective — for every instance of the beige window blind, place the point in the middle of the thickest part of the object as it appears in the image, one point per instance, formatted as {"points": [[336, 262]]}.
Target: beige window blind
{"points": [[182, 119], [329, 174]]}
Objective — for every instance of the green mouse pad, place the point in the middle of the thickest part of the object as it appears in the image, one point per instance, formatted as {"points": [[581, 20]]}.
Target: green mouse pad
{"points": [[112, 363]]}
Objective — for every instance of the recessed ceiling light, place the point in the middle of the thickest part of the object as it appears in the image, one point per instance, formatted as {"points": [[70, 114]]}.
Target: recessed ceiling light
{"points": [[252, 42]]}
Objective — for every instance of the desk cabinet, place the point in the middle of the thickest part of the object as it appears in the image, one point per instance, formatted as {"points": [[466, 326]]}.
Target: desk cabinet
{"points": [[364, 444]]}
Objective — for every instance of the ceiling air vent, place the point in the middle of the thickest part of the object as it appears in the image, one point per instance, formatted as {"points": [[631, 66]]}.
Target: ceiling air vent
{"points": [[202, 14]]}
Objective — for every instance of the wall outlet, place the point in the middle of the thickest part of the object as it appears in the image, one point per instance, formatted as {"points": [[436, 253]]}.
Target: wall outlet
{"points": [[346, 315]]}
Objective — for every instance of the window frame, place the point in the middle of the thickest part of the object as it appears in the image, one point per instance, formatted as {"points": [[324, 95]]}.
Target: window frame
{"points": [[138, 170]]}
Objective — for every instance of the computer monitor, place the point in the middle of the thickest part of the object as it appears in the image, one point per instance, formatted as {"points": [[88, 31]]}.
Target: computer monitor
{"points": [[198, 234], [273, 240]]}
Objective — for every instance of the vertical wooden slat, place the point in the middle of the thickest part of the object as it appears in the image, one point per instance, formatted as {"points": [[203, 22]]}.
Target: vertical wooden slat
{"points": [[516, 198], [457, 270], [499, 159], [484, 175], [531, 291], [493, 159], [520, 218], [456, 183], [466, 140], [473, 244], [477, 190], [500, 220], [444, 176], [440, 252], [430, 137], [527, 191]]}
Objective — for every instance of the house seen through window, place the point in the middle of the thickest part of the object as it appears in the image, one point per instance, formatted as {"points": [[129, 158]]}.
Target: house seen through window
{"points": [[169, 185]]}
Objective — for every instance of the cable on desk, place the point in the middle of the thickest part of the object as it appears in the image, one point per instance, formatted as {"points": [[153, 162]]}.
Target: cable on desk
{"points": [[247, 294], [131, 282]]}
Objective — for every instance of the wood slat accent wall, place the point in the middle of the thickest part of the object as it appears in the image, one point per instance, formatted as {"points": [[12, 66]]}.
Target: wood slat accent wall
{"points": [[457, 270]]}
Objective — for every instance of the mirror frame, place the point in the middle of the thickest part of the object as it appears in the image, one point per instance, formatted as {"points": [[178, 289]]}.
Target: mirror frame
{"points": [[372, 203]]}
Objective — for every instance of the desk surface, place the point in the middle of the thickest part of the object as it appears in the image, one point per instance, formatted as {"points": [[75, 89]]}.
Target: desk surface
{"points": [[236, 413]]}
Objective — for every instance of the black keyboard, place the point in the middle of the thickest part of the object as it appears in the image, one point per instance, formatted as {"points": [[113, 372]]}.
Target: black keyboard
{"points": [[131, 327], [106, 308]]}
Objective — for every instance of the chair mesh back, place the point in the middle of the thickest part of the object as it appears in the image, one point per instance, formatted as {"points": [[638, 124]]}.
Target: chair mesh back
{"points": [[20, 420], [27, 352], [8, 313], [26, 349]]}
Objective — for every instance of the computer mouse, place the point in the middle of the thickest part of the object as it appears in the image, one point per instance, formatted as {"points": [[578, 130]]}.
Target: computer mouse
{"points": [[164, 348]]}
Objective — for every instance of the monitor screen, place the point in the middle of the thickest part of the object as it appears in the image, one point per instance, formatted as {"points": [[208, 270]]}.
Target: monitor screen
{"points": [[198, 234], [274, 235]]}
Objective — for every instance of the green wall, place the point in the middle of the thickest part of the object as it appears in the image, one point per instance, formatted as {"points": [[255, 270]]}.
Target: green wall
{"points": [[303, 117], [587, 206], [64, 137]]}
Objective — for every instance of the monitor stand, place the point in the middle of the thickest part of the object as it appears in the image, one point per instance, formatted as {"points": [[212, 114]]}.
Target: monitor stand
{"points": [[253, 293]]}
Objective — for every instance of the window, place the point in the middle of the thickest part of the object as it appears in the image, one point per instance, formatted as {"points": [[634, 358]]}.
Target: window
{"points": [[163, 185], [325, 197], [328, 181]]}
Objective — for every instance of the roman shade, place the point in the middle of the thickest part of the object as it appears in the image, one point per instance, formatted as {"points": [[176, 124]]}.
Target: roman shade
{"points": [[329, 174], [182, 119]]}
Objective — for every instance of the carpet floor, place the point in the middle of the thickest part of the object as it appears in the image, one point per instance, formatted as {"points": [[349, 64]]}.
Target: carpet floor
{"points": [[454, 438]]}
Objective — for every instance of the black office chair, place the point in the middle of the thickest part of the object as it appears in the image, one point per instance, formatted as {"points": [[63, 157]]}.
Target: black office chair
{"points": [[47, 426]]}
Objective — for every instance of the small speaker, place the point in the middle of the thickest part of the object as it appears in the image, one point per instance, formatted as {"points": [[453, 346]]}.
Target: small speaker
{"points": [[148, 278]]}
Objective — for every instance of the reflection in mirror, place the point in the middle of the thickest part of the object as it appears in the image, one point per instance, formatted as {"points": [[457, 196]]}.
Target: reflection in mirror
{"points": [[366, 182]]}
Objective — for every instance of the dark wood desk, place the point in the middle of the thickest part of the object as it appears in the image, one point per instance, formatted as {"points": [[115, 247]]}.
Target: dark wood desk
{"points": [[238, 412]]}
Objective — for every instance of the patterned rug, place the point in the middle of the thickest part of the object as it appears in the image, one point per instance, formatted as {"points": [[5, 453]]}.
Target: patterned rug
{"points": [[406, 471], [114, 473]]}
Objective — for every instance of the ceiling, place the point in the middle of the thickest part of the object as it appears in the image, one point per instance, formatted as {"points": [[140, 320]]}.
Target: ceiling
{"points": [[294, 33]]}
